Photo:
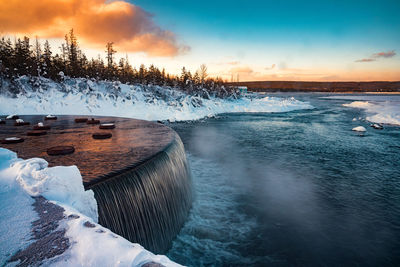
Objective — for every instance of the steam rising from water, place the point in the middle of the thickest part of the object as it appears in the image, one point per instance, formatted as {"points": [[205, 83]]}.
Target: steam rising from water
{"points": [[228, 187], [291, 189]]}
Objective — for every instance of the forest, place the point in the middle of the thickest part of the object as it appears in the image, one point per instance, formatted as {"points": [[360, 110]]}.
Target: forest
{"points": [[21, 57]]}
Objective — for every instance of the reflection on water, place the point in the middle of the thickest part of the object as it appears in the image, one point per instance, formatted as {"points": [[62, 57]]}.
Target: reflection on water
{"points": [[297, 188]]}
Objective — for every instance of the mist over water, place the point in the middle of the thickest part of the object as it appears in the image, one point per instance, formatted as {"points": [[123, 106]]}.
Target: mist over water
{"points": [[297, 188]]}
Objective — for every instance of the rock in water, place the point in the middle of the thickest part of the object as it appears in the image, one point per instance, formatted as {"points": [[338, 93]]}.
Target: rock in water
{"points": [[377, 126], [359, 129]]}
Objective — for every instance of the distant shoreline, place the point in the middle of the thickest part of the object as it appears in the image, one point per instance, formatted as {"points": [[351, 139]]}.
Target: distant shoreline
{"points": [[339, 93], [323, 87]]}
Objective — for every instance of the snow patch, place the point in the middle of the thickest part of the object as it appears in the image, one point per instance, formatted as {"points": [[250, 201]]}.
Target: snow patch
{"points": [[359, 129]]}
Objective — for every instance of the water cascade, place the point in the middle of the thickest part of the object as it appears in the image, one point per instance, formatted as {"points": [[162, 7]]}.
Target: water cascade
{"points": [[149, 203]]}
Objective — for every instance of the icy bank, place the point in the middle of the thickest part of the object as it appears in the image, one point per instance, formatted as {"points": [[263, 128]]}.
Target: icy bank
{"points": [[381, 112], [379, 108], [89, 243], [87, 97]]}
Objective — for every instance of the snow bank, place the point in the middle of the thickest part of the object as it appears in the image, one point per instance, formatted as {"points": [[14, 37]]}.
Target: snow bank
{"points": [[379, 108], [87, 97], [60, 184], [98, 246], [16, 211], [91, 244]]}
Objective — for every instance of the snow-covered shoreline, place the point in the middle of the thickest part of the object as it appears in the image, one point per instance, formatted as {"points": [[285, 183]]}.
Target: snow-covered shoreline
{"points": [[90, 243], [88, 97]]}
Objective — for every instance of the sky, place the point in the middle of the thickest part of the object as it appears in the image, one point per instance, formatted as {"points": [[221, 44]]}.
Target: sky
{"points": [[250, 40]]}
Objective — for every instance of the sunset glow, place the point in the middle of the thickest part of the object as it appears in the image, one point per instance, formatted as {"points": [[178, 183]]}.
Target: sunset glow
{"points": [[253, 40]]}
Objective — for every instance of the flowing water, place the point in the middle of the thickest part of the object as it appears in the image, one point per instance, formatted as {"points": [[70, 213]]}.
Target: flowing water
{"points": [[148, 204], [293, 189]]}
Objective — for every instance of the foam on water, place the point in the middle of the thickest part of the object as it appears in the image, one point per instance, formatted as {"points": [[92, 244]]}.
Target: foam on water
{"points": [[214, 225], [87, 97]]}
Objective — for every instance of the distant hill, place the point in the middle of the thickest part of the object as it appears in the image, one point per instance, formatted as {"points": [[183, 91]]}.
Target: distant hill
{"points": [[293, 86]]}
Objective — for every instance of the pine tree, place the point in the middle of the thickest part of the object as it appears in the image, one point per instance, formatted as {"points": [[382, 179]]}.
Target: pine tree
{"points": [[203, 74], [21, 58]]}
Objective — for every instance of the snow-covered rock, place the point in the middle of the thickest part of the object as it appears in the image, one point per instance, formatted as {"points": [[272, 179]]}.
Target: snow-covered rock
{"points": [[11, 116], [359, 129], [377, 126]]}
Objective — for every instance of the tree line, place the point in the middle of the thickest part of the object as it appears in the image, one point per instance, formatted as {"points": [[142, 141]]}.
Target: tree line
{"points": [[23, 58]]}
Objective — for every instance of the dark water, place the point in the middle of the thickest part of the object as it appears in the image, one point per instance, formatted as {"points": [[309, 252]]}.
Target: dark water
{"points": [[292, 189]]}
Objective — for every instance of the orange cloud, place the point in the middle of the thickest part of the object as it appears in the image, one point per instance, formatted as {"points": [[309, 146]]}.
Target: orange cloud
{"points": [[365, 60], [244, 70], [388, 54], [96, 22], [270, 68]]}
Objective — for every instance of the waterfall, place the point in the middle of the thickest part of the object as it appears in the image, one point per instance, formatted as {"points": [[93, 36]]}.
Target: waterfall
{"points": [[148, 203]]}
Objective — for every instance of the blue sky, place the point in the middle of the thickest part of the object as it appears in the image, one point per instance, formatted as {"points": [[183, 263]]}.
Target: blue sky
{"points": [[316, 39], [253, 40]]}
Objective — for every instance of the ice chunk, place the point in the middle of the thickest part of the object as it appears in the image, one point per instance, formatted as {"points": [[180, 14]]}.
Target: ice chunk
{"points": [[359, 129]]}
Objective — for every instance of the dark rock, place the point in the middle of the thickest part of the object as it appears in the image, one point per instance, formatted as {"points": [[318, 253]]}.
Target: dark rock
{"points": [[73, 216], [60, 150], [93, 121], [12, 140], [89, 224], [101, 135], [36, 133], [152, 264], [81, 120], [44, 127], [23, 123]]}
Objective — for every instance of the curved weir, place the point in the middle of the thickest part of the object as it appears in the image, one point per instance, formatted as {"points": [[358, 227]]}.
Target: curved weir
{"points": [[148, 204], [140, 176]]}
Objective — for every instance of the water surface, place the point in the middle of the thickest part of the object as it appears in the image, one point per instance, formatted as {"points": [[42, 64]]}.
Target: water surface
{"points": [[292, 189]]}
